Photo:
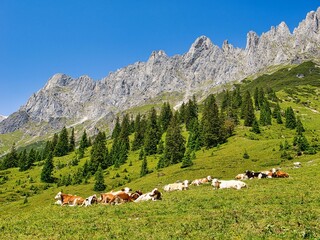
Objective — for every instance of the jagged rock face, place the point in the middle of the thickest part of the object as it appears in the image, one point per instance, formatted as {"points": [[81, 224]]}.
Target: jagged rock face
{"points": [[204, 66], [2, 118]]}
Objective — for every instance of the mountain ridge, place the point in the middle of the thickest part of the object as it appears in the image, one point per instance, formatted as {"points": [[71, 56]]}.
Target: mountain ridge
{"points": [[65, 100]]}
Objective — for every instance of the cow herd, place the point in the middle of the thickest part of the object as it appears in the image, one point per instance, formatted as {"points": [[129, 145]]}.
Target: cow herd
{"points": [[126, 195]]}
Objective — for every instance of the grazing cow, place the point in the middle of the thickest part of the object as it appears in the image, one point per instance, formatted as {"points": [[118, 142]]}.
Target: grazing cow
{"points": [[297, 164], [197, 182], [280, 174], [153, 195], [122, 196], [68, 199], [136, 195], [90, 200], [236, 184], [177, 186], [241, 176]]}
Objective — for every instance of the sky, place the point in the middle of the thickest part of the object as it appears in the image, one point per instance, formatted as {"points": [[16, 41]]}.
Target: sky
{"points": [[39, 38]]}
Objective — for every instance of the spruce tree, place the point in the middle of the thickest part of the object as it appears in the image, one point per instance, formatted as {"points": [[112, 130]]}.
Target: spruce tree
{"points": [[226, 101], [23, 161], [182, 113], [247, 110], [144, 167], [236, 97], [62, 146], [152, 134], [117, 129], [187, 161], [265, 113], [165, 116], [299, 128], [191, 113], [11, 159], [138, 135], [72, 141], [32, 157], [99, 184], [194, 139], [212, 125], [174, 143], [256, 98], [98, 151], [255, 127], [125, 131], [83, 144], [46, 173], [290, 118]]}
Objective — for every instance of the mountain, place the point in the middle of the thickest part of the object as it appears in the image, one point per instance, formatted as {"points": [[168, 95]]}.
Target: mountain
{"points": [[2, 117], [71, 101]]}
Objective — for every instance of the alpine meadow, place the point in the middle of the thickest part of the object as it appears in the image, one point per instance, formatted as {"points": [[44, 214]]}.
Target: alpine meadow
{"points": [[265, 120]]}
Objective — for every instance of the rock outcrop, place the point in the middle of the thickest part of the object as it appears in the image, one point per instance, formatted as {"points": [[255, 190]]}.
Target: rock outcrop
{"points": [[67, 100]]}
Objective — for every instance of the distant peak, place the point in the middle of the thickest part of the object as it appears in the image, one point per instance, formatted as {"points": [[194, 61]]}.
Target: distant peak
{"points": [[252, 40], [157, 54], [202, 42], [59, 79]]}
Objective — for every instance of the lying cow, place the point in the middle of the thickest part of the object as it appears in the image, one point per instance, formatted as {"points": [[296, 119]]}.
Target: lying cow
{"points": [[177, 186], [241, 176], [116, 197], [236, 184], [280, 174], [90, 200], [68, 199], [200, 181], [153, 195]]}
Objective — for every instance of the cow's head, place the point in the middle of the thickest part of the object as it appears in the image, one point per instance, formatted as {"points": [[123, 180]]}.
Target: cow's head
{"points": [[58, 196]]}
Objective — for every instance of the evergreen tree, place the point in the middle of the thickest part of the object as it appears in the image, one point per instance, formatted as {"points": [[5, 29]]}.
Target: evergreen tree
{"points": [[99, 184], [212, 125], [194, 139], [125, 131], [300, 128], [117, 129], [78, 176], [255, 127], [152, 134], [191, 113], [144, 167], [290, 118], [174, 143], [141, 154], [182, 113], [83, 144], [236, 97], [247, 111], [256, 98], [32, 157], [54, 141], [11, 159], [226, 101], [187, 161], [97, 152], [23, 161], [165, 116], [265, 113], [62, 147], [46, 173], [72, 141], [301, 142], [160, 147], [138, 136]]}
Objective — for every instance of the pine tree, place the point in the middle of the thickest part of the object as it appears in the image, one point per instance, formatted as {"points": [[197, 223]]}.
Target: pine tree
{"points": [[32, 157], [46, 173], [212, 125], [97, 152], [138, 136], [255, 127], [247, 111], [160, 147], [300, 128], [256, 98], [265, 113], [226, 101], [83, 144], [125, 131], [182, 113], [144, 167], [117, 129], [290, 118], [152, 134], [62, 146], [191, 113], [174, 143], [165, 116], [99, 184], [187, 161], [72, 141], [236, 97], [194, 139], [11, 159], [141, 154], [23, 161]]}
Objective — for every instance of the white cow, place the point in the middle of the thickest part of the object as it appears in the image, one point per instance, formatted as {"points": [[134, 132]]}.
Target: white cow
{"points": [[153, 195], [200, 181], [236, 184], [177, 186], [90, 200]]}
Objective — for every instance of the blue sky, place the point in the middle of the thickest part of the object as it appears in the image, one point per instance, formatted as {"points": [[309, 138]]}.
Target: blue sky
{"points": [[39, 38]]}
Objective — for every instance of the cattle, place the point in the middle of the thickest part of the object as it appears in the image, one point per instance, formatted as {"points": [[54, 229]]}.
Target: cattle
{"points": [[90, 200], [122, 196], [280, 174], [136, 195], [154, 195], [252, 174], [220, 184], [241, 176], [177, 186], [197, 182], [68, 199], [297, 164], [126, 190], [105, 197]]}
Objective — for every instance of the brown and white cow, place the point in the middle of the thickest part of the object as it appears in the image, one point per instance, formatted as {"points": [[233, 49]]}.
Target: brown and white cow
{"points": [[154, 195], [68, 199], [200, 181]]}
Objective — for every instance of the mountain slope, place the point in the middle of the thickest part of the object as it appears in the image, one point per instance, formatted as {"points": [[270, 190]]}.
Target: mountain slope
{"points": [[66, 101]]}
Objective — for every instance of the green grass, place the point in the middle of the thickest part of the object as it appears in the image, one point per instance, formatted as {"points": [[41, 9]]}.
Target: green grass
{"points": [[267, 209]]}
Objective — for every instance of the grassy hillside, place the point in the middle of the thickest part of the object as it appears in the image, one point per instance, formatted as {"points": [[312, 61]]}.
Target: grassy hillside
{"points": [[267, 209]]}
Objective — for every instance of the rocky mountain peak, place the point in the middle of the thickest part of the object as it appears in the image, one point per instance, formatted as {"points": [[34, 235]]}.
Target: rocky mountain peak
{"points": [[252, 40], [202, 43], [57, 80]]}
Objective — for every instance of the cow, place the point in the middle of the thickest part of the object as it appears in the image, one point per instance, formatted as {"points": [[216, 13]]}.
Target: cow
{"points": [[154, 195], [68, 199], [236, 184], [297, 164], [90, 200], [136, 195], [106, 198], [126, 190], [197, 182], [122, 196], [177, 186], [280, 174], [241, 176]]}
